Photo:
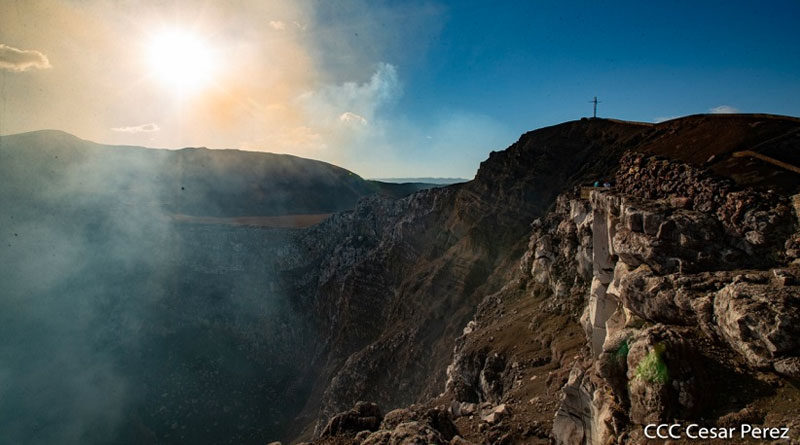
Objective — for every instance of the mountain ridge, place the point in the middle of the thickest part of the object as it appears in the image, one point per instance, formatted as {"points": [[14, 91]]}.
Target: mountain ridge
{"points": [[195, 181], [468, 310], [480, 229]]}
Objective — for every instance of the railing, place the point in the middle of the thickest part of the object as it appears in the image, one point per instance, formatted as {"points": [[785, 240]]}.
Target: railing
{"points": [[773, 161]]}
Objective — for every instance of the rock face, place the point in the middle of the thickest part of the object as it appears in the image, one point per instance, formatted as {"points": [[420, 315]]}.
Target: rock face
{"points": [[690, 282], [363, 417], [390, 284], [760, 320], [364, 425], [613, 308]]}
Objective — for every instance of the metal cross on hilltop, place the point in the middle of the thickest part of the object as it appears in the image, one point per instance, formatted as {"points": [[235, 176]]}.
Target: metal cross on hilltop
{"points": [[595, 102]]}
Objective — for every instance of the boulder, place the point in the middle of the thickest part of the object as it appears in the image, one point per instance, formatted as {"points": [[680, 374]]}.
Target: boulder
{"points": [[396, 417], [459, 409], [790, 367], [760, 321], [364, 416], [458, 440], [407, 433], [406, 426], [497, 414], [586, 413]]}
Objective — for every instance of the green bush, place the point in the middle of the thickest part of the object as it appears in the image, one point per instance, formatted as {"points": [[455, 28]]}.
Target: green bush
{"points": [[652, 368]]}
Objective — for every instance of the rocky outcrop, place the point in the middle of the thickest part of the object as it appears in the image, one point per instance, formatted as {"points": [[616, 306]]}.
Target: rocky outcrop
{"points": [[756, 222], [673, 294], [390, 284], [365, 425], [758, 318], [363, 417], [689, 282], [623, 301], [560, 252]]}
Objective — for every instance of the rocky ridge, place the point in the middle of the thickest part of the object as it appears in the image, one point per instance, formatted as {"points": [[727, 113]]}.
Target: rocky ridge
{"points": [[671, 295], [390, 284], [692, 292]]}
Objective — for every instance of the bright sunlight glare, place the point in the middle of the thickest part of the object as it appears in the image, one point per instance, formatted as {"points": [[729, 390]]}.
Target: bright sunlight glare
{"points": [[181, 61]]}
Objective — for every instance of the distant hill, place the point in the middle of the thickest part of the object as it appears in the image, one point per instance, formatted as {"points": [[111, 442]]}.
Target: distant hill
{"points": [[190, 181], [437, 181], [757, 150]]}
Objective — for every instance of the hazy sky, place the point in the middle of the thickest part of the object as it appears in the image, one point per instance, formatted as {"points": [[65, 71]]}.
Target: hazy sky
{"points": [[411, 88]]}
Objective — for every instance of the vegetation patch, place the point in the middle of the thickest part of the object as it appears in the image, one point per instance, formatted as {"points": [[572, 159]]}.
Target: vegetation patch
{"points": [[652, 368]]}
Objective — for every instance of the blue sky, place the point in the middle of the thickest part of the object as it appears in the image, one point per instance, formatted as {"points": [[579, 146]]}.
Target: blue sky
{"points": [[536, 63], [386, 89], [523, 65]]}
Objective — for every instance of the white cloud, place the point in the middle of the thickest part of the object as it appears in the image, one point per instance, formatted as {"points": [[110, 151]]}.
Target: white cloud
{"points": [[352, 124], [352, 118], [14, 59], [277, 25], [355, 100], [144, 128], [723, 109]]}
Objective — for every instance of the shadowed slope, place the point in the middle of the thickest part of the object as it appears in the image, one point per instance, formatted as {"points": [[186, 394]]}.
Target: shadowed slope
{"points": [[399, 280]]}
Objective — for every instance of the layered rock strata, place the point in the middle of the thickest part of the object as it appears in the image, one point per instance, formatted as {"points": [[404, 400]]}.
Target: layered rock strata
{"points": [[691, 280]]}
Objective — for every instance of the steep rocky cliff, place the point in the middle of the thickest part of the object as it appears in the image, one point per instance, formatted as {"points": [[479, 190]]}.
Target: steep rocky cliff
{"points": [[522, 308], [391, 284], [692, 311]]}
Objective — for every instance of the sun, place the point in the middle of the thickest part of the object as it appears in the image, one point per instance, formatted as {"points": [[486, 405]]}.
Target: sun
{"points": [[182, 61]]}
